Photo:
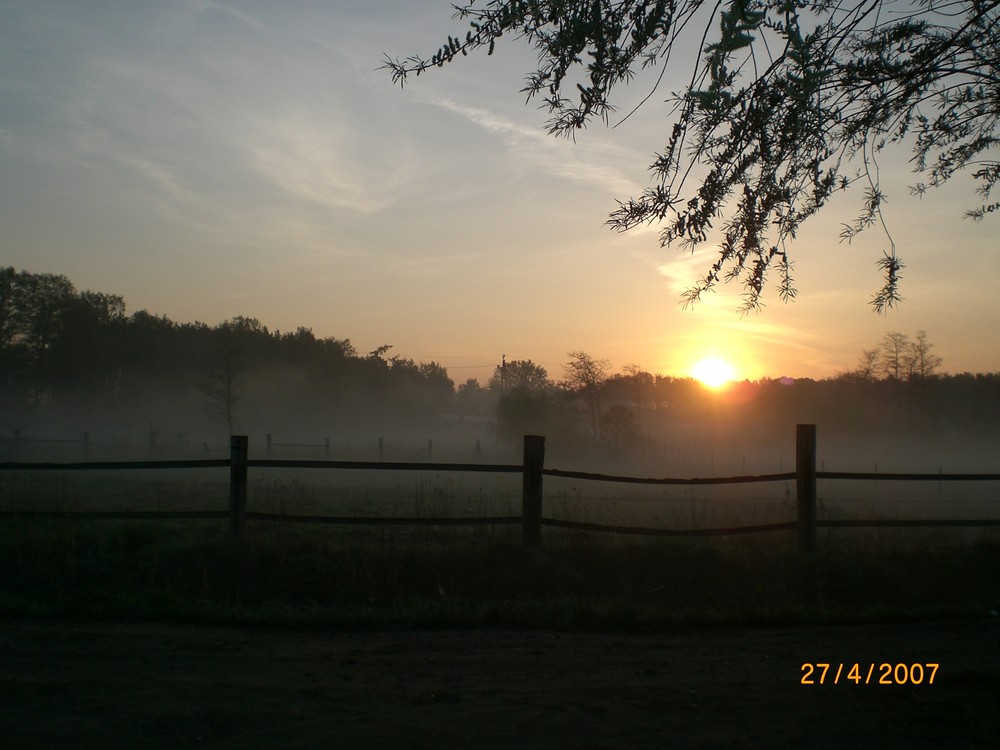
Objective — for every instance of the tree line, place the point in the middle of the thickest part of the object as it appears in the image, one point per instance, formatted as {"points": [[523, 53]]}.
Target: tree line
{"points": [[76, 357], [70, 355], [896, 389]]}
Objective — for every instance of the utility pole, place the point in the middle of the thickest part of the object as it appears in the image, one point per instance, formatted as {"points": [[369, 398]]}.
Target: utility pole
{"points": [[503, 373]]}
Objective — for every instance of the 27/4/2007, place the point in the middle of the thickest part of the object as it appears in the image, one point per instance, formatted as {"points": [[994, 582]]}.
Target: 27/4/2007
{"points": [[819, 673]]}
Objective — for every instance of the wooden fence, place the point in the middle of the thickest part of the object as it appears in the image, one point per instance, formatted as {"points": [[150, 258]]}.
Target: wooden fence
{"points": [[532, 470]]}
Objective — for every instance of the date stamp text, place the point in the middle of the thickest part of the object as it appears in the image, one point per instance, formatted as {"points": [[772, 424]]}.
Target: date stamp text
{"points": [[819, 673]]}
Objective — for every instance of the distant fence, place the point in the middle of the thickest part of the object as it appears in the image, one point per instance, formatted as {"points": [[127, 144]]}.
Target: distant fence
{"points": [[428, 451], [18, 441], [271, 445], [532, 470], [15, 446]]}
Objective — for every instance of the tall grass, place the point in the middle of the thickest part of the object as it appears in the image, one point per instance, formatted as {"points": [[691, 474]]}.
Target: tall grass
{"points": [[362, 577]]}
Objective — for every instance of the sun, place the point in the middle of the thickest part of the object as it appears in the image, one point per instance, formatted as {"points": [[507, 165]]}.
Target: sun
{"points": [[713, 372]]}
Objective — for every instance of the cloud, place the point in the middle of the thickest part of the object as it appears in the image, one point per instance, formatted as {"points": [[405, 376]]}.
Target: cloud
{"points": [[203, 6], [591, 163], [313, 162], [685, 268]]}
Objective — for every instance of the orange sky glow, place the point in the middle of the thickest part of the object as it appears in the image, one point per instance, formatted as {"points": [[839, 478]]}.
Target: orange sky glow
{"points": [[207, 161]]}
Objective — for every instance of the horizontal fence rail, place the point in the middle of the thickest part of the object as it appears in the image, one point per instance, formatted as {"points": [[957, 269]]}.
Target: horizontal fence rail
{"points": [[386, 520], [118, 515], [532, 470], [908, 477], [217, 463], [646, 531], [267, 463], [676, 481]]}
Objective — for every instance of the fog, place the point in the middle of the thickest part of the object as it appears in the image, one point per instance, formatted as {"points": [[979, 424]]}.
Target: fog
{"points": [[84, 381], [687, 431]]}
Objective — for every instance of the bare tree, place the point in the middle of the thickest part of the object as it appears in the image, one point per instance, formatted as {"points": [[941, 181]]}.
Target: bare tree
{"points": [[867, 364], [898, 358], [922, 363], [892, 361], [585, 376], [220, 385]]}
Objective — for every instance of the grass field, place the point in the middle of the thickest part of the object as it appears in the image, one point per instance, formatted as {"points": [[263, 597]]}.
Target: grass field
{"points": [[286, 573]]}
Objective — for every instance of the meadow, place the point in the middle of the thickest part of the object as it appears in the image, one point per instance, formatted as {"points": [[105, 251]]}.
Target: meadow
{"points": [[284, 573]]}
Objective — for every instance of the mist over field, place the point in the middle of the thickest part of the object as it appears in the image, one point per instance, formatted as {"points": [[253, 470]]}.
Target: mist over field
{"points": [[143, 386], [359, 548]]}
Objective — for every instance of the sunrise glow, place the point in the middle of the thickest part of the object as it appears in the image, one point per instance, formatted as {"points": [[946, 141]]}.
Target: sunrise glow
{"points": [[713, 372]]}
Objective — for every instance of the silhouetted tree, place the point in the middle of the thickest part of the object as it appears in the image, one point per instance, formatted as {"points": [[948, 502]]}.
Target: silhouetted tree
{"points": [[519, 373], [898, 358], [472, 398], [785, 104], [640, 387], [220, 385], [867, 364], [585, 376], [893, 356], [922, 363], [525, 399]]}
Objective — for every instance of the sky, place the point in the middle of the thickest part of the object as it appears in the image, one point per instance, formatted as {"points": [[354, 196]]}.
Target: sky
{"points": [[212, 159]]}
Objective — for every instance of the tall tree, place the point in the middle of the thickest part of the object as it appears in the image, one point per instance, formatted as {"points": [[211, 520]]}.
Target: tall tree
{"points": [[898, 358], [641, 383], [519, 373], [585, 376], [524, 398], [895, 350], [223, 371], [867, 364], [785, 103], [471, 398], [923, 363]]}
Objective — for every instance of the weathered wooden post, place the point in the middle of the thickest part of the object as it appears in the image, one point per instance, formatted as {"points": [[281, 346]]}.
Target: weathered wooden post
{"points": [[531, 489], [805, 481], [237, 484]]}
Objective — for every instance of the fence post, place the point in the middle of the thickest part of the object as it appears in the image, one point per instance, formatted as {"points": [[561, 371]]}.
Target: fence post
{"points": [[237, 484], [531, 489], [805, 481]]}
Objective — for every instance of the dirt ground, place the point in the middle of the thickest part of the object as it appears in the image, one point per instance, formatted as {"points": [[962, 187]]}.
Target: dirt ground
{"points": [[148, 685]]}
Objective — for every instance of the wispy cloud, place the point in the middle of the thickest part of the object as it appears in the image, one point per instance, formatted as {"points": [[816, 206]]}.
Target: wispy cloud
{"points": [[224, 8], [314, 163], [564, 159]]}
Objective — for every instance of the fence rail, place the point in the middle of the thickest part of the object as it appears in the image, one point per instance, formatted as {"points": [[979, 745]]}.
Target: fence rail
{"points": [[532, 470], [669, 480], [939, 477], [268, 463], [206, 463]]}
